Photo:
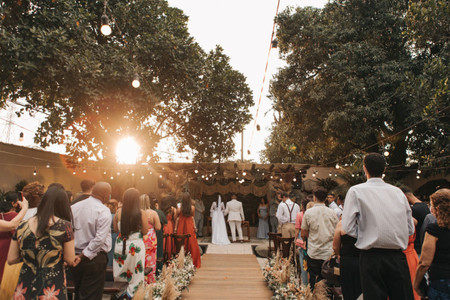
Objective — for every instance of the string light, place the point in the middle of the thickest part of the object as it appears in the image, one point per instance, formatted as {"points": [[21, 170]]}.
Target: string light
{"points": [[160, 175], [84, 171], [419, 171], [142, 177], [74, 172], [329, 174], [244, 173], [112, 177], [418, 177], [136, 83], [47, 165], [132, 174], [386, 153], [21, 137], [337, 166], [294, 180], [196, 171], [34, 172]]}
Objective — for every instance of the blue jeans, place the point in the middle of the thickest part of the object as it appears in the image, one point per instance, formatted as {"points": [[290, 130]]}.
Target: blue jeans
{"points": [[304, 273]]}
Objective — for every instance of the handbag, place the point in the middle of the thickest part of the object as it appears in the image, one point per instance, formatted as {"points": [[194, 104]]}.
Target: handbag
{"points": [[331, 271]]}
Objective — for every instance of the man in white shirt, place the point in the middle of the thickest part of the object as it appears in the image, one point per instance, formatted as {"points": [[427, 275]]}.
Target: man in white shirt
{"points": [[92, 224], [331, 198], [318, 226], [378, 215], [286, 214]]}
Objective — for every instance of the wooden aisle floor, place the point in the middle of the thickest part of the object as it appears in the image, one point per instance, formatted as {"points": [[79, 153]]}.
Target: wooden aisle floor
{"points": [[228, 276]]}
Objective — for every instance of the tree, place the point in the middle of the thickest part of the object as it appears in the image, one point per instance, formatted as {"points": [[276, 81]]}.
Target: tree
{"points": [[342, 89], [53, 56]]}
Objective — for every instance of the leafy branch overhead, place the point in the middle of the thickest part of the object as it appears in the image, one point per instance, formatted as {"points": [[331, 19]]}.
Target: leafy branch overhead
{"points": [[362, 75], [54, 58]]}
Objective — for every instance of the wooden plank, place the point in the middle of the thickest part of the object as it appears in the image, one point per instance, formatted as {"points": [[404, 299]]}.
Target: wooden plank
{"points": [[228, 276]]}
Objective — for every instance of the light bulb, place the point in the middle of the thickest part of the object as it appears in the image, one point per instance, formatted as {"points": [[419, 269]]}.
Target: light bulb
{"points": [[142, 177], [337, 166], [47, 165], [135, 83], [196, 171], [314, 174], [419, 171], [244, 173], [105, 28], [386, 153], [21, 137], [84, 171], [34, 172], [294, 180]]}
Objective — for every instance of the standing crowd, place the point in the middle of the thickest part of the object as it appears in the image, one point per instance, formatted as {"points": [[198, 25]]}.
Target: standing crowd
{"points": [[47, 234], [378, 232]]}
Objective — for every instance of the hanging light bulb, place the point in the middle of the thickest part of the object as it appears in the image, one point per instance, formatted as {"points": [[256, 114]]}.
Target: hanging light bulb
{"points": [[136, 83], [258, 128], [418, 177], [104, 173], [337, 166], [160, 175], [21, 137], [353, 175], [84, 171], [382, 176], [105, 28], [244, 173], [294, 180], [248, 152], [74, 172], [47, 165], [314, 174], [329, 174], [142, 177], [419, 171], [112, 177], [132, 174], [196, 171], [386, 153], [281, 179], [34, 172]]}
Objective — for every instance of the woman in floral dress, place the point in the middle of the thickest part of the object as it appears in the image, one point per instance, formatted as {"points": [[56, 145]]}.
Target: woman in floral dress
{"points": [[44, 243], [129, 253], [150, 240]]}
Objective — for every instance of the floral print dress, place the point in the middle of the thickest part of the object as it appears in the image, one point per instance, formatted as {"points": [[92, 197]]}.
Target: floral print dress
{"points": [[42, 275], [150, 242], [128, 265]]}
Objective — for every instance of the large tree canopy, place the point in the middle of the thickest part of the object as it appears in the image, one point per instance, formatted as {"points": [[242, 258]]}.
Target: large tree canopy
{"points": [[347, 85], [53, 57]]}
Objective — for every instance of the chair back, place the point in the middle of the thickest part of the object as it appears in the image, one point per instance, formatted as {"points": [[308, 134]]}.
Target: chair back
{"points": [[286, 244], [273, 239], [180, 240]]}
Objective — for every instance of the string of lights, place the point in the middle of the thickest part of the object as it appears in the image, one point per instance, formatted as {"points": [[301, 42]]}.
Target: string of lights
{"points": [[272, 44]]}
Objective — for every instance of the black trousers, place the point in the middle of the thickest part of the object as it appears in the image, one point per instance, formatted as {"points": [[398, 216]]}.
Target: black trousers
{"points": [[314, 270], [89, 277], [350, 278], [385, 273]]}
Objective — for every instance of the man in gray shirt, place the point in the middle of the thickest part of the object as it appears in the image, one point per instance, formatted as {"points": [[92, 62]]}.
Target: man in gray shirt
{"points": [[274, 202], [378, 215], [92, 224], [199, 216]]}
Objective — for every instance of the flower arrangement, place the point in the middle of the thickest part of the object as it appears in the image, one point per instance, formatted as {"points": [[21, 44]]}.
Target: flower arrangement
{"points": [[174, 278], [282, 279]]}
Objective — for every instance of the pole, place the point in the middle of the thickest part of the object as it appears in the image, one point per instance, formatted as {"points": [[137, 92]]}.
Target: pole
{"points": [[242, 146]]}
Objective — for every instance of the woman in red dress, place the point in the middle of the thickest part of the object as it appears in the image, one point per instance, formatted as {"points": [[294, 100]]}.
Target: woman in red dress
{"points": [[412, 259], [186, 225], [168, 207]]}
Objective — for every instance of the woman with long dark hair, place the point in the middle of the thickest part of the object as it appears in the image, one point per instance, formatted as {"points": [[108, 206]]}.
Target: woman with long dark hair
{"points": [[168, 207], [186, 225], [44, 243], [130, 221]]}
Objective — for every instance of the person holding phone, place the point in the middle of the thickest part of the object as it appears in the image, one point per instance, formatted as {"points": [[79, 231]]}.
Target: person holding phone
{"points": [[9, 225]]}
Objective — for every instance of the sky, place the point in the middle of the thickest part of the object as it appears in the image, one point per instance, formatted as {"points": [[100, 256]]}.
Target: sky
{"points": [[243, 29]]}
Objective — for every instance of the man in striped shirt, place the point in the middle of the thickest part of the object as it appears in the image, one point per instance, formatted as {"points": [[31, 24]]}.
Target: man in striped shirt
{"points": [[378, 215]]}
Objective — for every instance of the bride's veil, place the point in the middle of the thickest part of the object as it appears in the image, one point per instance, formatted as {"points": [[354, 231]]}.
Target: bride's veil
{"points": [[219, 202]]}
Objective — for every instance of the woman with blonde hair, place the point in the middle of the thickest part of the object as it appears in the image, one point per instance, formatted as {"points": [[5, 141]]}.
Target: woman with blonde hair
{"points": [[435, 255], [150, 239]]}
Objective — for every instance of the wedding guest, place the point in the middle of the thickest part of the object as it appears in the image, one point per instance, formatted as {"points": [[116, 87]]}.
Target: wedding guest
{"points": [[419, 211], [331, 200], [131, 223], [344, 247], [7, 213], [92, 221], [301, 245], [199, 216], [113, 205], [69, 196], [10, 225], [436, 249], [412, 259], [86, 189], [168, 207], [150, 239], [286, 213], [318, 226], [263, 222], [33, 192], [159, 233], [186, 226], [378, 215], [44, 243], [274, 202]]}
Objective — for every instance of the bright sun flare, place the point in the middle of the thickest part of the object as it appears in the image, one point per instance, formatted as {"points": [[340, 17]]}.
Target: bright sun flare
{"points": [[127, 151]]}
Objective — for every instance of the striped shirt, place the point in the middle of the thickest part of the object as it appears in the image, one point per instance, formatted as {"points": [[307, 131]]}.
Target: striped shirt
{"points": [[378, 215]]}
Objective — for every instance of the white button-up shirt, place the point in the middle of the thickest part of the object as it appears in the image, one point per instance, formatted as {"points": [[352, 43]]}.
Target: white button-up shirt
{"points": [[283, 212], [92, 227], [378, 215]]}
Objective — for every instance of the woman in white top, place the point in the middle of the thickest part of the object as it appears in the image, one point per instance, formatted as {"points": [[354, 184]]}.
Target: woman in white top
{"points": [[219, 227]]}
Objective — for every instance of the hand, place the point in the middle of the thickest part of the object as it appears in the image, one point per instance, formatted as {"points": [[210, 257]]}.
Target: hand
{"points": [[23, 204], [418, 291], [76, 261]]}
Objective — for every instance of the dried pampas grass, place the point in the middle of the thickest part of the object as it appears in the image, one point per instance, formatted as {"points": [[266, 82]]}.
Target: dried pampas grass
{"points": [[170, 291], [181, 258], [320, 291], [140, 293]]}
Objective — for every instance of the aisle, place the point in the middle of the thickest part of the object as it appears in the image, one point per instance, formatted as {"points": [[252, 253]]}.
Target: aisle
{"points": [[228, 276]]}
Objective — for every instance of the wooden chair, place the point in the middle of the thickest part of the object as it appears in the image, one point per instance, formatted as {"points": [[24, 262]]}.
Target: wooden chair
{"points": [[178, 241], [286, 246], [273, 239]]}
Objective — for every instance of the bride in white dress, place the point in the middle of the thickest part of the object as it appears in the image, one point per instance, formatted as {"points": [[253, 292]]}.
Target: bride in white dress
{"points": [[219, 227]]}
